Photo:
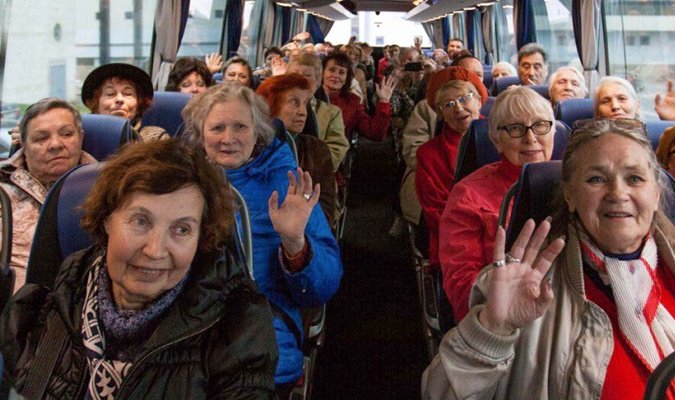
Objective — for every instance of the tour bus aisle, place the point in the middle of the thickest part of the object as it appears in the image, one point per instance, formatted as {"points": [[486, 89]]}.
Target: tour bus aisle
{"points": [[374, 343]]}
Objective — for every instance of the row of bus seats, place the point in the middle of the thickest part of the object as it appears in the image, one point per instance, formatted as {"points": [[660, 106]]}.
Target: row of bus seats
{"points": [[475, 151]]}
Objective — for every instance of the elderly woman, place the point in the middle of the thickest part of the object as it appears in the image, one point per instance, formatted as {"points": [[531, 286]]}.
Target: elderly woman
{"points": [[331, 127], [238, 70], [122, 90], [456, 95], [190, 76], [296, 258], [566, 83], [503, 68], [288, 96], [597, 323], [337, 78], [615, 98], [51, 144], [522, 129], [158, 305]]}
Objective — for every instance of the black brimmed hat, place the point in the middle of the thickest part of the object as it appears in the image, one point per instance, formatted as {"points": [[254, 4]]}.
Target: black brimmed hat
{"points": [[121, 70]]}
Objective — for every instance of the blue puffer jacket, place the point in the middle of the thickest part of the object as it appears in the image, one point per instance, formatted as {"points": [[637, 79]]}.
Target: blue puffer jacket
{"points": [[312, 286]]}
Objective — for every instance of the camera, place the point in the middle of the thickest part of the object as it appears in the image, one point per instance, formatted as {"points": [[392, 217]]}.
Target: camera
{"points": [[413, 67]]}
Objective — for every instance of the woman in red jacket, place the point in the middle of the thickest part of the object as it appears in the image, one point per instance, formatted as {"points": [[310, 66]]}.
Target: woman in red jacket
{"points": [[522, 128], [337, 81], [456, 94]]}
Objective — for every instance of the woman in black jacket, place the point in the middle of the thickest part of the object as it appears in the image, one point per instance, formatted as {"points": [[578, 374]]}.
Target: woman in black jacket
{"points": [[158, 308]]}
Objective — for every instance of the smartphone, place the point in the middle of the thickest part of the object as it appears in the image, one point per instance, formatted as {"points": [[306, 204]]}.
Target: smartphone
{"points": [[413, 67]]}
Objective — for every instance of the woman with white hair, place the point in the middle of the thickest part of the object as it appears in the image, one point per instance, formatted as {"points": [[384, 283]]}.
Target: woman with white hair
{"points": [[503, 68], [567, 83], [615, 98]]}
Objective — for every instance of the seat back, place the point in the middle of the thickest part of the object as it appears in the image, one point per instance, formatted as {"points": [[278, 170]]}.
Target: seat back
{"points": [[6, 273], [104, 134], [58, 233], [487, 107], [487, 76], [542, 90], [218, 77], [500, 84], [534, 192], [166, 111], [282, 134], [655, 129], [243, 235], [661, 379], [572, 110]]}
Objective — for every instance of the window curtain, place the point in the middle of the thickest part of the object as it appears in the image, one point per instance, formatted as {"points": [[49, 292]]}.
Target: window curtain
{"points": [[489, 37], [234, 11], [277, 32], [285, 25], [429, 30], [471, 31], [586, 19], [297, 21], [318, 28], [526, 31], [445, 33], [262, 16], [169, 25], [458, 25]]}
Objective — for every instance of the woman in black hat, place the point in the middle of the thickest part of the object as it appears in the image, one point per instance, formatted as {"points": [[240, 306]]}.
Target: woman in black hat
{"points": [[122, 90]]}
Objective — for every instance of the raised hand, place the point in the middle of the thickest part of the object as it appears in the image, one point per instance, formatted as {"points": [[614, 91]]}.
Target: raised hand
{"points": [[518, 293], [290, 219], [214, 62], [384, 90], [665, 106]]}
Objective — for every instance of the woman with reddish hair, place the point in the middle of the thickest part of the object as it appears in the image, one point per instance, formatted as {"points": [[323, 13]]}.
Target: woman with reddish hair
{"points": [[287, 96]]}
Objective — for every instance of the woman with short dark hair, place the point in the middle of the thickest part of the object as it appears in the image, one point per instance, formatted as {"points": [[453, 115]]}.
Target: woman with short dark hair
{"points": [[190, 76]]}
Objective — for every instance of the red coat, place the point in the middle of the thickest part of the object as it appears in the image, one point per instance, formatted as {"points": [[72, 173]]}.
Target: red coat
{"points": [[357, 119], [468, 228], [381, 66], [436, 160]]}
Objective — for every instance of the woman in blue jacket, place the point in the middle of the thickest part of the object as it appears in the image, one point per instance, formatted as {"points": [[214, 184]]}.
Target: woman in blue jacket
{"points": [[296, 260]]}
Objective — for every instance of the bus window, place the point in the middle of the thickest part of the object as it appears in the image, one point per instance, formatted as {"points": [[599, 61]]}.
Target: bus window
{"points": [[246, 32], [555, 33], [378, 30], [203, 29], [506, 32], [641, 44]]}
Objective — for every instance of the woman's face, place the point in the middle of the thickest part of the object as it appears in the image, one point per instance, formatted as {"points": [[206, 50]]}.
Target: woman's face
{"points": [[238, 73], [152, 240], [535, 146], [458, 116], [499, 71], [307, 71], [613, 192], [229, 136], [334, 76], [614, 101], [193, 84], [53, 144], [293, 110], [118, 97]]}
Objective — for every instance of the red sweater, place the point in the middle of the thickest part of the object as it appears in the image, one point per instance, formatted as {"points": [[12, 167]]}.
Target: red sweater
{"points": [[357, 119], [435, 176], [627, 376], [468, 228]]}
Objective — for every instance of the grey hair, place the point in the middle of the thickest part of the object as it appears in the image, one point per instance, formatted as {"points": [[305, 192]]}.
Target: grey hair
{"points": [[454, 84], [579, 75], [532, 48], [514, 104], [608, 80], [198, 108], [593, 131], [41, 107], [507, 66]]}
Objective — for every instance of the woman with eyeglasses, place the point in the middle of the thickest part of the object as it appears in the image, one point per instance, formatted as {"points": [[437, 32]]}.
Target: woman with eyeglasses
{"points": [[585, 312], [456, 95], [521, 128]]}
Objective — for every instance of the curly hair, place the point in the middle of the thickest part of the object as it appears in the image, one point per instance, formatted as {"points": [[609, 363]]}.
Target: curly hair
{"points": [[342, 60], [273, 89], [161, 167], [184, 67]]}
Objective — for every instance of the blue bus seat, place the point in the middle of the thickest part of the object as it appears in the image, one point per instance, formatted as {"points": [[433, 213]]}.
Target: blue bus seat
{"points": [[166, 111], [218, 77], [282, 134], [500, 84], [569, 111], [533, 193], [6, 273], [542, 90], [487, 107], [655, 129], [487, 76], [104, 134]]}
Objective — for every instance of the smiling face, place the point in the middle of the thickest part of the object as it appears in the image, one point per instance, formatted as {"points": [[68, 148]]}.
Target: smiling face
{"points": [[529, 148], [53, 145], [613, 192], [614, 101], [567, 85], [293, 110], [237, 72], [152, 240], [532, 70], [459, 116], [334, 77], [454, 47], [228, 133], [192, 84], [118, 97]]}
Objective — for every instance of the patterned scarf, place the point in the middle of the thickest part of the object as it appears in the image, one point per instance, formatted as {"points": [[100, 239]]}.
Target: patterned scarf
{"points": [[644, 322]]}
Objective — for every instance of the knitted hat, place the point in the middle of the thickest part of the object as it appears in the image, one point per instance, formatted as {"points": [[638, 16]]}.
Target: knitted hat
{"points": [[448, 74]]}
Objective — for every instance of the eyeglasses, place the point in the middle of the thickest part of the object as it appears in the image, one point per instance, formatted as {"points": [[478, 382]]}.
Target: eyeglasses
{"points": [[599, 123], [519, 130], [461, 100]]}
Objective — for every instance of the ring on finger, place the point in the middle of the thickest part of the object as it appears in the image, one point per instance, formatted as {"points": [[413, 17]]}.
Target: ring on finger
{"points": [[498, 263], [307, 196], [510, 259]]}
